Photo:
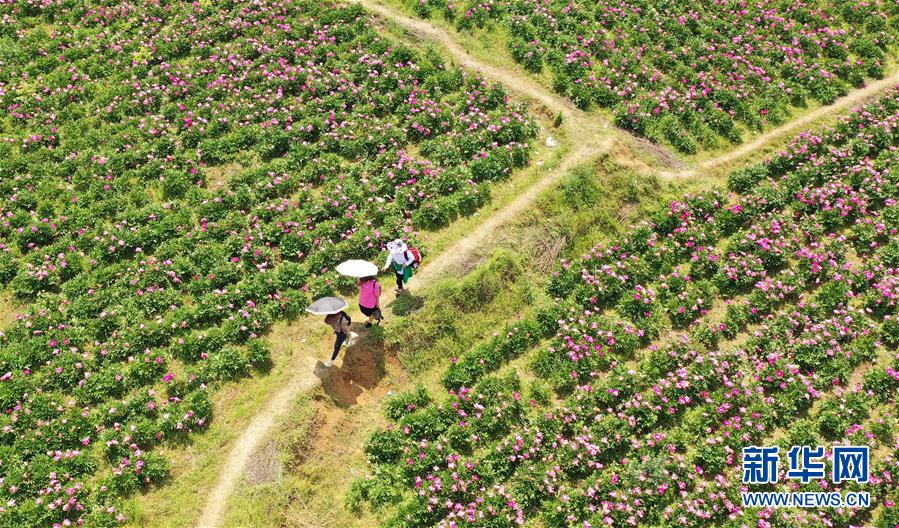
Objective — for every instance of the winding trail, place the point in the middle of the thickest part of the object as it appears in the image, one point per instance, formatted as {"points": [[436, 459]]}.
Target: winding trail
{"points": [[308, 369], [590, 135], [515, 81], [474, 243]]}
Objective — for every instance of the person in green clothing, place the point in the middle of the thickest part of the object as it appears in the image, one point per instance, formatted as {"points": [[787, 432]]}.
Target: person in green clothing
{"points": [[403, 262]]}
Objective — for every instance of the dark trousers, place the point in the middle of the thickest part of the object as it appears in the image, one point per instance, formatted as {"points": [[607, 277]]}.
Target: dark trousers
{"points": [[399, 280], [339, 338]]}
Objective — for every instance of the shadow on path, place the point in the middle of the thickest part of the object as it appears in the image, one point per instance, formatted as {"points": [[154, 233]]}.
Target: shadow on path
{"points": [[359, 368]]}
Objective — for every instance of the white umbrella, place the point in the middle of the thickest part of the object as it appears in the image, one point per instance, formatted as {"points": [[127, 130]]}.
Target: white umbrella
{"points": [[327, 306], [357, 268]]}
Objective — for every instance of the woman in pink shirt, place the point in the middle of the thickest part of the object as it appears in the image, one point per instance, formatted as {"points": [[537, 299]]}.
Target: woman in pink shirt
{"points": [[369, 292]]}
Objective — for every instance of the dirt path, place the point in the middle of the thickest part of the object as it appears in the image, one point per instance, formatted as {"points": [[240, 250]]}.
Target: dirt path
{"points": [[9, 310], [251, 439], [517, 82], [591, 136], [474, 243], [308, 369]]}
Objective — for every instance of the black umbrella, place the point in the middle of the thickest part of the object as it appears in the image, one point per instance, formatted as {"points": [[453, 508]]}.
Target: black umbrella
{"points": [[327, 306]]}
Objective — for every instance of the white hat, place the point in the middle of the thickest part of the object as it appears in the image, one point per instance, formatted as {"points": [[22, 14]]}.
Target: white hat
{"points": [[397, 246]]}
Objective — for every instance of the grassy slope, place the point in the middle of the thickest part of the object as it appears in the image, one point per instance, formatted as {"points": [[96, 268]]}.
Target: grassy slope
{"points": [[328, 457], [323, 465]]}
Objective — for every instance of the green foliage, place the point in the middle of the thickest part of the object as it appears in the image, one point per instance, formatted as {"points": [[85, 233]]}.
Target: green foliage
{"points": [[458, 311], [744, 180], [506, 345], [580, 188], [397, 406]]}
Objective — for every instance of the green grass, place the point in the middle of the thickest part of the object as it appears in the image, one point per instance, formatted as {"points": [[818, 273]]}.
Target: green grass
{"points": [[776, 145], [488, 45], [544, 160], [321, 443], [592, 203], [459, 312]]}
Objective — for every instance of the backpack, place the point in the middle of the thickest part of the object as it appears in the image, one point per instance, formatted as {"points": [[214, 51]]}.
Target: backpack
{"points": [[416, 256]]}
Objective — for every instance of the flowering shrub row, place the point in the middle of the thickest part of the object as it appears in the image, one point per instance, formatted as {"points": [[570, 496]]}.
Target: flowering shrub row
{"points": [[488, 356], [175, 177], [690, 73], [764, 314]]}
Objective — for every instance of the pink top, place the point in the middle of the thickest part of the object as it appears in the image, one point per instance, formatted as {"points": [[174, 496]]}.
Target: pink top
{"points": [[368, 293]]}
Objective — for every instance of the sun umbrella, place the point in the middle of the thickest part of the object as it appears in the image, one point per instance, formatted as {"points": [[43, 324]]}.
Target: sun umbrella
{"points": [[357, 268], [327, 306]]}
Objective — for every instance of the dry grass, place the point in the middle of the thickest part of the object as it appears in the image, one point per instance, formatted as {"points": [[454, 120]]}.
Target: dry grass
{"points": [[219, 175], [9, 309], [264, 466], [321, 445], [548, 252]]}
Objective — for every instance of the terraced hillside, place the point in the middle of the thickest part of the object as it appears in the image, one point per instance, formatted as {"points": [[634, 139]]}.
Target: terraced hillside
{"points": [[760, 314]]}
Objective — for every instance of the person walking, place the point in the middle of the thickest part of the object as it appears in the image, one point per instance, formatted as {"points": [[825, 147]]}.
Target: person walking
{"points": [[340, 322], [369, 294], [402, 261]]}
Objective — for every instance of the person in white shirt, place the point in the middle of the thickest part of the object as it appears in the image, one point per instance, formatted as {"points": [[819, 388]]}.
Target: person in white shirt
{"points": [[402, 261]]}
